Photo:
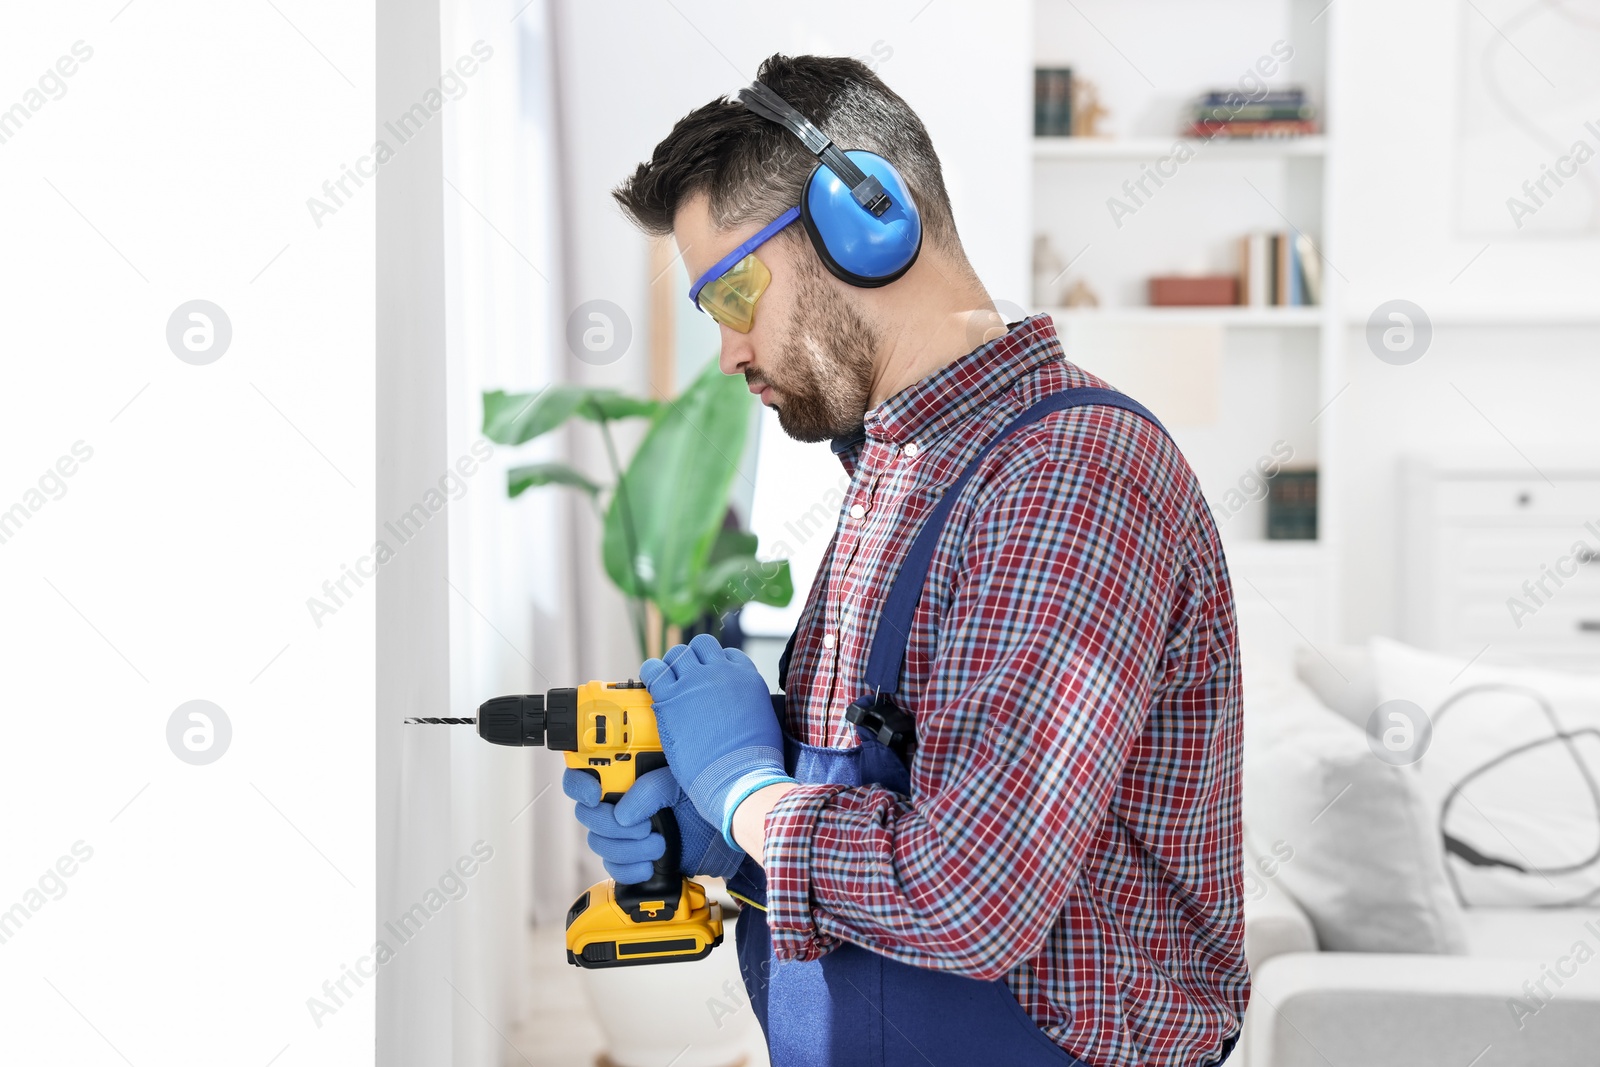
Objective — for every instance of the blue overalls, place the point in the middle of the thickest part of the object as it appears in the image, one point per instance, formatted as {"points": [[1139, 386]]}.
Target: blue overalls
{"points": [[854, 1006]]}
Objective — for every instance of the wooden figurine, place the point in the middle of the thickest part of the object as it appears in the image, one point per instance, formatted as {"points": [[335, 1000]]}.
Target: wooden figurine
{"points": [[1087, 111]]}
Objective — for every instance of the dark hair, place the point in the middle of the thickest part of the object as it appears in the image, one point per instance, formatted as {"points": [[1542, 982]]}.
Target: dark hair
{"points": [[753, 169]]}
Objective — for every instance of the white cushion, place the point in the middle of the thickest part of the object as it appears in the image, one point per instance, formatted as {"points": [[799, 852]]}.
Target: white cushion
{"points": [[1534, 808], [1342, 678], [1352, 837]]}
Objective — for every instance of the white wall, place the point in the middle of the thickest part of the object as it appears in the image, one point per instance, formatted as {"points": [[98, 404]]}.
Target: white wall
{"points": [[1399, 133], [173, 164], [1533, 377], [413, 669]]}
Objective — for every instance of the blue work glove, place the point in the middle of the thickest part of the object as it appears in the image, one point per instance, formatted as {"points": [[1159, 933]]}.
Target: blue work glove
{"points": [[717, 726], [620, 833]]}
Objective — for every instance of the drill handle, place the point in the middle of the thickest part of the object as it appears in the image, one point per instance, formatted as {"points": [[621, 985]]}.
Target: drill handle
{"points": [[665, 884], [665, 823]]}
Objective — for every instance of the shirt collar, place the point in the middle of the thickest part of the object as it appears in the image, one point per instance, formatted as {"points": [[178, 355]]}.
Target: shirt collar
{"points": [[923, 411], [841, 445]]}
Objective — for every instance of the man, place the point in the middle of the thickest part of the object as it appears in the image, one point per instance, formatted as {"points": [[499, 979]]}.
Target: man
{"points": [[997, 816]]}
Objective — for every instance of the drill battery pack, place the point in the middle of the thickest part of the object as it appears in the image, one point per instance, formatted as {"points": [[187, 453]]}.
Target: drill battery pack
{"points": [[602, 933]]}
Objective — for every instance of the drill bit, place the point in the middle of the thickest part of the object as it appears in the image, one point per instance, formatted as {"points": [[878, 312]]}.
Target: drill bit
{"points": [[517, 721]]}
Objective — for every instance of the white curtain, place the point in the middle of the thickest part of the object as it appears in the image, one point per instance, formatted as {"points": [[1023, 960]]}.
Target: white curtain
{"points": [[510, 560]]}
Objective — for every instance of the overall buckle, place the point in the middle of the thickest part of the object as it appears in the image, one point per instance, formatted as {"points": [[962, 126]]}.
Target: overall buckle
{"points": [[892, 727]]}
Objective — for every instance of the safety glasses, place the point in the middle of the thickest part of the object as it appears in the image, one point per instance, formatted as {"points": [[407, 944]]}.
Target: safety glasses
{"points": [[729, 290]]}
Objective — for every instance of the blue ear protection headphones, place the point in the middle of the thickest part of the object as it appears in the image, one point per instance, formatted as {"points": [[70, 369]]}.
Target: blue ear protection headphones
{"points": [[855, 206]]}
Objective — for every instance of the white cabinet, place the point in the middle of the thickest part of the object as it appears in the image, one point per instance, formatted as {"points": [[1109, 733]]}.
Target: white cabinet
{"points": [[1502, 563]]}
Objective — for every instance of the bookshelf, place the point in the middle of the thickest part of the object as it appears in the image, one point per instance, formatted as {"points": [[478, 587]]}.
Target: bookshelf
{"points": [[1276, 371], [1047, 148], [1270, 318]]}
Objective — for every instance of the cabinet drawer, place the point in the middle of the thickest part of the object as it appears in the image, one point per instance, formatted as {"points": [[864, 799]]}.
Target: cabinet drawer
{"points": [[1490, 498], [1572, 621], [1478, 539], [1490, 558]]}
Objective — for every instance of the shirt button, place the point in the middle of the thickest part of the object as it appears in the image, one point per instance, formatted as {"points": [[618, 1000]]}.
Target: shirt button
{"points": [[856, 511], [911, 450], [828, 641]]}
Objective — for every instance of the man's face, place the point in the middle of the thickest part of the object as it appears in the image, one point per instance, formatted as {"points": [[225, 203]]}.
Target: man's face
{"points": [[809, 354]]}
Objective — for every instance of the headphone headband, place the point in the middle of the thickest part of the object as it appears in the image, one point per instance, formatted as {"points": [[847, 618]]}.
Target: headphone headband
{"points": [[864, 188]]}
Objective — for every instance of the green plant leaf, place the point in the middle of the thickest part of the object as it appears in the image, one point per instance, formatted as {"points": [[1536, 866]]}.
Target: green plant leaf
{"points": [[738, 580], [673, 496], [513, 418], [520, 479], [615, 405], [731, 542]]}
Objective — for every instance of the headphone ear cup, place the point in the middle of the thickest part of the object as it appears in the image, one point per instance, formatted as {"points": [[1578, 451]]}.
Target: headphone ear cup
{"points": [[854, 245]]}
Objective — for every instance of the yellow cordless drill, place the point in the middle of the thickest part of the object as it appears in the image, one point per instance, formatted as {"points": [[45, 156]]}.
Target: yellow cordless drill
{"points": [[608, 729]]}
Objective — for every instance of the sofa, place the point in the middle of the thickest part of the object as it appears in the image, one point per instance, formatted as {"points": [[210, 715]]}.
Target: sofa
{"points": [[1361, 948]]}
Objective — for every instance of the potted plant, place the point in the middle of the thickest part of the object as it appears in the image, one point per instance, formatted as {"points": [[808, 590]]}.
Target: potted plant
{"points": [[665, 542], [666, 546]]}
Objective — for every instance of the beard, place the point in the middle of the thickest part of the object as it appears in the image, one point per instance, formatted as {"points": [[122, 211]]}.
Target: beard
{"points": [[826, 361]]}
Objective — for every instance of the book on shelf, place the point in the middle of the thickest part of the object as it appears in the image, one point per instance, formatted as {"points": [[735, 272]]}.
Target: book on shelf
{"points": [[1292, 505], [1286, 285], [1052, 102], [1290, 96], [1309, 261], [1253, 130], [1279, 270], [1257, 113], [1229, 113], [1255, 284]]}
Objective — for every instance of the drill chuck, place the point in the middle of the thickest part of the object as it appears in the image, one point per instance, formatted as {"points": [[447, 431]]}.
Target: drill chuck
{"points": [[539, 720]]}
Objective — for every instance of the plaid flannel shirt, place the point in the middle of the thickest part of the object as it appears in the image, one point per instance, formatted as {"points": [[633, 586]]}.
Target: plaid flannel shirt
{"points": [[1074, 818]]}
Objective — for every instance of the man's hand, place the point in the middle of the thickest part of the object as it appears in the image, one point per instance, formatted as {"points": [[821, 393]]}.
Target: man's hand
{"points": [[621, 836], [717, 727]]}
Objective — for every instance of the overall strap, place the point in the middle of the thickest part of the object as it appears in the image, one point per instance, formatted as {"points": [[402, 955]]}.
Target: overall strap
{"points": [[894, 622], [783, 660]]}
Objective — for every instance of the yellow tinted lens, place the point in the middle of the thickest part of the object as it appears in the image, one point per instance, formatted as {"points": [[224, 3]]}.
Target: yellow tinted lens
{"points": [[731, 299]]}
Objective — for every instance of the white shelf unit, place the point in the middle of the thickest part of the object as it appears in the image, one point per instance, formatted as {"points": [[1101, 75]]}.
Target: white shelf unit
{"points": [[1152, 148], [1280, 367], [1272, 318]]}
